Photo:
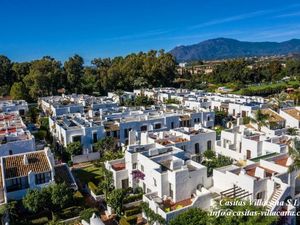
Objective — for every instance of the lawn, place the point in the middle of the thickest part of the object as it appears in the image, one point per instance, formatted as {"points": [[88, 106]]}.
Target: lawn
{"points": [[87, 174]]}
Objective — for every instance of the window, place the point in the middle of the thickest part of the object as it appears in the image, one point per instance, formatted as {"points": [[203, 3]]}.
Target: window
{"points": [[209, 145], [172, 125], [259, 195], [157, 126], [10, 152], [42, 178], [134, 165], [95, 137], [115, 134], [154, 181], [126, 132], [142, 168], [197, 148], [77, 139], [125, 184], [144, 128]]}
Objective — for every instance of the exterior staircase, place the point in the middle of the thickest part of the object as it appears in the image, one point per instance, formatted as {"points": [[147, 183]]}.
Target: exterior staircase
{"points": [[274, 199]]}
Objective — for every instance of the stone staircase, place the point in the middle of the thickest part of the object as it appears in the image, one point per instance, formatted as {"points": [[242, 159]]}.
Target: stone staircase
{"points": [[274, 199]]}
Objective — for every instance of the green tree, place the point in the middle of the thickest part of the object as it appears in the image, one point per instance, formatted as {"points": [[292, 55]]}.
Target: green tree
{"points": [[194, 216], [86, 214], [115, 200], [151, 216], [61, 195], [242, 219], [209, 154], [260, 118], [20, 70], [294, 152], [292, 131], [74, 70], [106, 182], [74, 148], [105, 144], [32, 114], [36, 200], [18, 91], [6, 77]]}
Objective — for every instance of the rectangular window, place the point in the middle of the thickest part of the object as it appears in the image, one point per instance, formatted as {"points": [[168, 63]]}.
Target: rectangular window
{"points": [[157, 126], [142, 168], [134, 165], [95, 139], [42, 178], [154, 181]]}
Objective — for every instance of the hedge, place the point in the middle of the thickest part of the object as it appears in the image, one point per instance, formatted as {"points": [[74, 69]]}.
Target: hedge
{"points": [[132, 220], [133, 198], [134, 211], [87, 214], [123, 221], [94, 188]]}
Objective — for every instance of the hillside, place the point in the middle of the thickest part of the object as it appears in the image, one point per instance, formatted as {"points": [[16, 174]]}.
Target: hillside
{"points": [[224, 48]]}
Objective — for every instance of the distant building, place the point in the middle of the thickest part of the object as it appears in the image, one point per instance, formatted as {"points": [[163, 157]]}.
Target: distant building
{"points": [[19, 106], [14, 137]]}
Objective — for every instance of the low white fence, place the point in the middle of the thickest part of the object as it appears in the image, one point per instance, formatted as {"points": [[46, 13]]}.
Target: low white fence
{"points": [[86, 157]]}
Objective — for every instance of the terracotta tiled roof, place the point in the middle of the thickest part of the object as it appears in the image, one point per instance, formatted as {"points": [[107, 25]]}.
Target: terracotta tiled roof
{"points": [[15, 166], [273, 116], [293, 113]]}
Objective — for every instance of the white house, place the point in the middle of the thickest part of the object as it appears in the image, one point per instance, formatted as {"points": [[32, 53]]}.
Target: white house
{"points": [[25, 171], [292, 116], [243, 142], [14, 137], [172, 182], [19, 106]]}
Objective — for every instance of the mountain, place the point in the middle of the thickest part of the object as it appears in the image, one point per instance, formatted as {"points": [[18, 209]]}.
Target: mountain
{"points": [[224, 48]]}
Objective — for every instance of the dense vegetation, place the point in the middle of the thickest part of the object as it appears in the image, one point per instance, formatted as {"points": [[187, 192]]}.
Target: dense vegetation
{"points": [[196, 216], [47, 76]]}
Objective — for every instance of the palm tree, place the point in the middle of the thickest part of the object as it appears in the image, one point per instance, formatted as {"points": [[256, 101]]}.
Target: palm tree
{"points": [[295, 96], [279, 100], [294, 152], [293, 131], [260, 119]]}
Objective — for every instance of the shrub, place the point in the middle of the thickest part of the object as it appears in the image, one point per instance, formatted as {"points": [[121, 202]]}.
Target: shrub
{"points": [[134, 211], [133, 198], [78, 197], [41, 134], [138, 190], [70, 163], [131, 220], [87, 214], [123, 221], [94, 188]]}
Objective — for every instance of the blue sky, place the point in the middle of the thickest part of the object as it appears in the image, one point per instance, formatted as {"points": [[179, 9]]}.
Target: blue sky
{"points": [[31, 29]]}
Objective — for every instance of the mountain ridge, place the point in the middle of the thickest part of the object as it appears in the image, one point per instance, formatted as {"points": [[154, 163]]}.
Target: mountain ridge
{"points": [[226, 48]]}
